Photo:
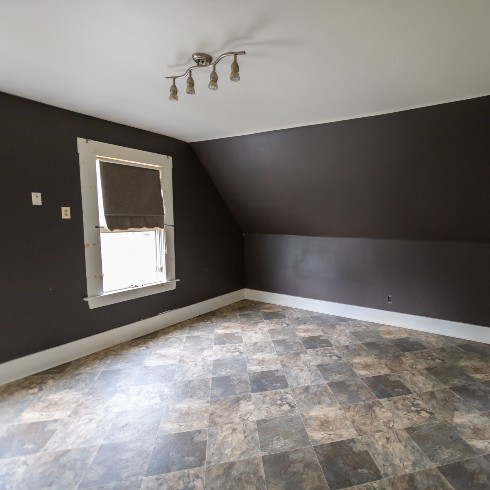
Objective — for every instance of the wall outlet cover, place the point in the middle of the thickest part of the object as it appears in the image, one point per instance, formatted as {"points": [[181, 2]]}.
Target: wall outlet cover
{"points": [[65, 213], [36, 199]]}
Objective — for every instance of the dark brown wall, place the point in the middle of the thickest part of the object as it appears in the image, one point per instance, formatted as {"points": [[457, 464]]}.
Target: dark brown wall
{"points": [[434, 279], [393, 204], [42, 257], [422, 174]]}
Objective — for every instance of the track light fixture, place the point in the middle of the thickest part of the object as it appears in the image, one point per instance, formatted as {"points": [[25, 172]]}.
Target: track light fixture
{"points": [[190, 85], [235, 71], [173, 92], [213, 80], [203, 60]]}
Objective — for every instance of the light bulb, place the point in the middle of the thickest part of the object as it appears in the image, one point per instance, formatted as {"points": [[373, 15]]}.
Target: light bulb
{"points": [[190, 85], [173, 92], [213, 80], [235, 71]]}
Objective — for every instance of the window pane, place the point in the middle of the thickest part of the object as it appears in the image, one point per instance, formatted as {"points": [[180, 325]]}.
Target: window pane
{"points": [[128, 259]]}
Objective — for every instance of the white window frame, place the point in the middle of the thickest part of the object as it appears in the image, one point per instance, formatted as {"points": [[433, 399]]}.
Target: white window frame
{"points": [[89, 152]]}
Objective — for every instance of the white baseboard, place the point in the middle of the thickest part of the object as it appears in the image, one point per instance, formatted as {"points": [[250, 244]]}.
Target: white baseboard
{"points": [[432, 325], [34, 363]]}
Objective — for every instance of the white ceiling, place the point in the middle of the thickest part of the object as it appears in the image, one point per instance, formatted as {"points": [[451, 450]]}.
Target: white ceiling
{"points": [[307, 61]]}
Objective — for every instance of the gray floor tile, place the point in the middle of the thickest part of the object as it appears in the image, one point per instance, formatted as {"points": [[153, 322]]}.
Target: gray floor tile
{"points": [[440, 442], [477, 348], [309, 397], [370, 416], [117, 462], [316, 342], [346, 463], [179, 480], [352, 390], [227, 338], [133, 425], [381, 348], [420, 380], [245, 474], [336, 371], [366, 366], [269, 404], [288, 345], [430, 479], [232, 442], [450, 375], [474, 428], [324, 355], [282, 434], [232, 384], [57, 469], [428, 358], [368, 335], [386, 386], [400, 362], [396, 453], [28, 438], [273, 315], [294, 470], [155, 374], [407, 344], [12, 407], [197, 340], [185, 416], [194, 370], [303, 376], [130, 484], [191, 389], [327, 424], [471, 474], [175, 452], [267, 380], [224, 367], [408, 410], [476, 394], [231, 410], [445, 404]]}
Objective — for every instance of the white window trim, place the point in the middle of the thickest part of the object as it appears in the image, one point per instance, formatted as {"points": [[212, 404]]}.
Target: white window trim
{"points": [[89, 152]]}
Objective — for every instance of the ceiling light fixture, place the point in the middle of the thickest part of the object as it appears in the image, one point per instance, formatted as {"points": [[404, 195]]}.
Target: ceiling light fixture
{"points": [[213, 80], [173, 92], [190, 85], [203, 60], [235, 71]]}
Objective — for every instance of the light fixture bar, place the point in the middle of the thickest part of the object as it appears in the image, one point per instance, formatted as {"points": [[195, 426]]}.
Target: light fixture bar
{"points": [[204, 56], [205, 60]]}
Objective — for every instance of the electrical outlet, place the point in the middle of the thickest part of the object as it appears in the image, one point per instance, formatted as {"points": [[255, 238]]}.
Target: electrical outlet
{"points": [[65, 213], [36, 199]]}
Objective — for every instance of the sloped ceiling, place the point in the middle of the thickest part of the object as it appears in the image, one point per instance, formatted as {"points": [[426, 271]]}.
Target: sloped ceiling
{"points": [[421, 174], [307, 61]]}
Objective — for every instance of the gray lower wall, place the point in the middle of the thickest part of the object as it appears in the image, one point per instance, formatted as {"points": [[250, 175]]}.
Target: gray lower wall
{"points": [[446, 280]]}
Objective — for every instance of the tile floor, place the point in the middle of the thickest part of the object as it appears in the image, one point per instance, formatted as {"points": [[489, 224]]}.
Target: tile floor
{"points": [[256, 396]]}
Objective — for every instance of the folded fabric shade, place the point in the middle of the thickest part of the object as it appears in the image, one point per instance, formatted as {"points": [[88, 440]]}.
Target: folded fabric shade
{"points": [[132, 196]]}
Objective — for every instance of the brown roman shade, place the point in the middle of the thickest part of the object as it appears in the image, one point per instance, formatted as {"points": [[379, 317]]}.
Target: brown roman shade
{"points": [[132, 196]]}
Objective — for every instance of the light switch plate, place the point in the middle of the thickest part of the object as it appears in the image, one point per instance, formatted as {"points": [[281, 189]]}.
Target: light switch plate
{"points": [[36, 199], [65, 213]]}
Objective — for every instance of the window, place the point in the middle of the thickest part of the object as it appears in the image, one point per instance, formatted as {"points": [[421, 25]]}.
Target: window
{"points": [[128, 222]]}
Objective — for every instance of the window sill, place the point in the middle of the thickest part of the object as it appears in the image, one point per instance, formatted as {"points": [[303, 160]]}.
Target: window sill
{"points": [[127, 294]]}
